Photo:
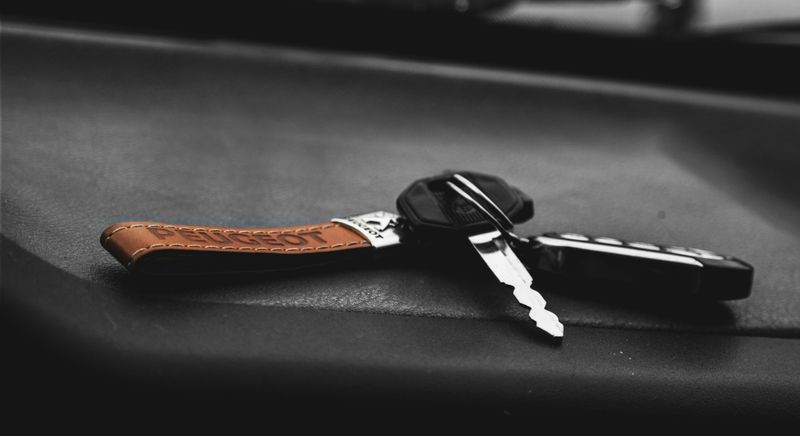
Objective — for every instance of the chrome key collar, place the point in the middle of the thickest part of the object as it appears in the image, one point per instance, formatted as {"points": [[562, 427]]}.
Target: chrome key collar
{"points": [[382, 229]]}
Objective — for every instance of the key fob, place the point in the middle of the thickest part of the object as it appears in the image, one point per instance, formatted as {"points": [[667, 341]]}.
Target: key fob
{"points": [[432, 209], [697, 272]]}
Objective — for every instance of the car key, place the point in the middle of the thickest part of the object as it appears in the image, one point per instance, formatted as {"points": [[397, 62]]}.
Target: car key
{"points": [[691, 271], [449, 206]]}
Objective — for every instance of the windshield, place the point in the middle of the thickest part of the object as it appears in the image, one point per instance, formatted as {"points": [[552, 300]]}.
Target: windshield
{"points": [[711, 45], [695, 17], [625, 17]]}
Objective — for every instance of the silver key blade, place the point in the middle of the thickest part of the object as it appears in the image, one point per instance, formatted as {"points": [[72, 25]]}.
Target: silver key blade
{"points": [[508, 269]]}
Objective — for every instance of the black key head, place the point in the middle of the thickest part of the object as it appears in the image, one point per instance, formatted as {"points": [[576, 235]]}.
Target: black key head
{"points": [[431, 207]]}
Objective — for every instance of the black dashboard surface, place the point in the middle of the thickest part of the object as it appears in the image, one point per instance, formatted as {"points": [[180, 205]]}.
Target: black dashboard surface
{"points": [[100, 128]]}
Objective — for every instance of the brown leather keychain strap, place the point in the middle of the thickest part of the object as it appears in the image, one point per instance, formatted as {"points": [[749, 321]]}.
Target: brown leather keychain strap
{"points": [[166, 249]]}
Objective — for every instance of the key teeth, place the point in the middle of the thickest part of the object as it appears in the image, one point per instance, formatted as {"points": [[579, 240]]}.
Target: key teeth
{"points": [[548, 322], [544, 319], [530, 299], [509, 270]]}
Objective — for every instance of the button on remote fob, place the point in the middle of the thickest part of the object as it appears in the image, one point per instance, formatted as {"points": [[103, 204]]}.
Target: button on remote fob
{"points": [[456, 205]]}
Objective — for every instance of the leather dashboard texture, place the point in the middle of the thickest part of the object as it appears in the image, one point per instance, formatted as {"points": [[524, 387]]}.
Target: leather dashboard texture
{"points": [[101, 128]]}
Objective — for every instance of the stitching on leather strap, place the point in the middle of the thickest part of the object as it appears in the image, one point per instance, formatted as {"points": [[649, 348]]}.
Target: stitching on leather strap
{"points": [[210, 230], [218, 247]]}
